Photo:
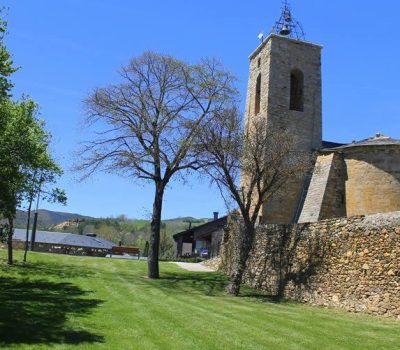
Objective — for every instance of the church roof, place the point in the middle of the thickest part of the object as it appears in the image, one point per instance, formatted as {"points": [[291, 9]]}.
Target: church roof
{"points": [[377, 140], [330, 144]]}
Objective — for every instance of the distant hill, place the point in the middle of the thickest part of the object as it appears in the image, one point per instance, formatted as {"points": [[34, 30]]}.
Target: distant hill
{"points": [[93, 225], [120, 229], [47, 218]]}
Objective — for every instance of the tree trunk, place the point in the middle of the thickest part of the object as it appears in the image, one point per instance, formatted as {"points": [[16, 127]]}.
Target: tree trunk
{"points": [[35, 218], [152, 259], [27, 227], [33, 236], [9, 240], [245, 243]]}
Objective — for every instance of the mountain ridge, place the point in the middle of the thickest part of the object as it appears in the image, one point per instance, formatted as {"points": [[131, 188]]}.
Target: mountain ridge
{"points": [[48, 218]]}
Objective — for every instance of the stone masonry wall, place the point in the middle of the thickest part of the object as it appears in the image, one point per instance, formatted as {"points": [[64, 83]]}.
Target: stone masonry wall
{"points": [[306, 126], [315, 196], [351, 263], [326, 194], [373, 180], [272, 62]]}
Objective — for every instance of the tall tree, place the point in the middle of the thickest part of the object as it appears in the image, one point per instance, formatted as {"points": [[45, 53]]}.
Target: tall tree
{"points": [[6, 64], [146, 124], [23, 151], [37, 182], [23, 146], [248, 164], [6, 70]]}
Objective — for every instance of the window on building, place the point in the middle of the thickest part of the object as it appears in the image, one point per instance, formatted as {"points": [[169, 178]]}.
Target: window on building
{"points": [[258, 95], [296, 90], [259, 62]]}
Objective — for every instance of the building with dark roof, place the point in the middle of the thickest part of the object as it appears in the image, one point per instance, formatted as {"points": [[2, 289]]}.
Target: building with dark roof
{"points": [[64, 243], [377, 140], [203, 238]]}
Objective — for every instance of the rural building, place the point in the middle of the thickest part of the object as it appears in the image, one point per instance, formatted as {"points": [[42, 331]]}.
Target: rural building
{"points": [[64, 243], [285, 90], [207, 236]]}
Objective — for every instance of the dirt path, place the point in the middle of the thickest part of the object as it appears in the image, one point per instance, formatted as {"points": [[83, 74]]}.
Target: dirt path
{"points": [[194, 267]]}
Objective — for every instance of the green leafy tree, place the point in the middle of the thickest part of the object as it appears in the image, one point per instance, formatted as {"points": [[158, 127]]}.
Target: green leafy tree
{"points": [[166, 245], [6, 64], [37, 182], [23, 151]]}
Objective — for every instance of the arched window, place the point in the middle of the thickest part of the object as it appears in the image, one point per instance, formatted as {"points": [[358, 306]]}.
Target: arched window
{"points": [[258, 95], [296, 90]]}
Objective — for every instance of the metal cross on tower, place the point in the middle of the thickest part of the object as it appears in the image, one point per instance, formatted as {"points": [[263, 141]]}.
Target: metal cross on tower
{"points": [[287, 25]]}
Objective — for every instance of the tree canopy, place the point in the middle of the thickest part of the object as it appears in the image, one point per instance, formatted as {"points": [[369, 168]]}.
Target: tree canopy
{"points": [[6, 64], [23, 154], [25, 161], [146, 124]]}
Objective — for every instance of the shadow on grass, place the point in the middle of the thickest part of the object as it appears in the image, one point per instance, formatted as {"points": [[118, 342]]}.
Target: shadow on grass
{"points": [[262, 296], [47, 269], [210, 284], [36, 312]]}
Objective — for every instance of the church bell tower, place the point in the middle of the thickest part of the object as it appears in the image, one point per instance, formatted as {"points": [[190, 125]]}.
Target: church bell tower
{"points": [[285, 89]]}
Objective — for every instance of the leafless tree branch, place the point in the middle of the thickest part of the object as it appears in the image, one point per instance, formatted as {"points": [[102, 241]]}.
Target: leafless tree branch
{"points": [[250, 163], [146, 125]]}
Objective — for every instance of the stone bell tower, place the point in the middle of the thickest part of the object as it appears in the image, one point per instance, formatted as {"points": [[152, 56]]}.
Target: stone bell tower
{"points": [[285, 89]]}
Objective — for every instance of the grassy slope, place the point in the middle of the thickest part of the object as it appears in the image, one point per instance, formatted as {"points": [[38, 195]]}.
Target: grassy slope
{"points": [[47, 218], [130, 231], [62, 302]]}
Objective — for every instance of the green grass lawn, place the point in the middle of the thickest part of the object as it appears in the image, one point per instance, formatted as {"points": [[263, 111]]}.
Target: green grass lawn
{"points": [[64, 302]]}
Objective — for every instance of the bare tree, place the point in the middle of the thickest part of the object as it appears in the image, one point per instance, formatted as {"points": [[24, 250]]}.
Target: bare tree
{"points": [[249, 165], [145, 125]]}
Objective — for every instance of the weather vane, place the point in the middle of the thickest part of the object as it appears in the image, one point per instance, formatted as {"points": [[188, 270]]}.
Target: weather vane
{"points": [[287, 25]]}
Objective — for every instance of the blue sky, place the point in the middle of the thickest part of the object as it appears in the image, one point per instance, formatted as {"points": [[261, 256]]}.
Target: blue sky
{"points": [[66, 48]]}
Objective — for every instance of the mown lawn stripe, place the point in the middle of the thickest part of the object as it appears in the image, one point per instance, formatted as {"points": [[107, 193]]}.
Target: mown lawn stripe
{"points": [[183, 310]]}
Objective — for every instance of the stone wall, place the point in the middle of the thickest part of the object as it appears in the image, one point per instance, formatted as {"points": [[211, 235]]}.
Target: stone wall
{"points": [[315, 196], [354, 181], [373, 180], [346, 263], [216, 240], [271, 64], [326, 193]]}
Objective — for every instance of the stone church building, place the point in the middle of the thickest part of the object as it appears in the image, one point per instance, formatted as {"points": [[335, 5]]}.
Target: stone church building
{"points": [[284, 88]]}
